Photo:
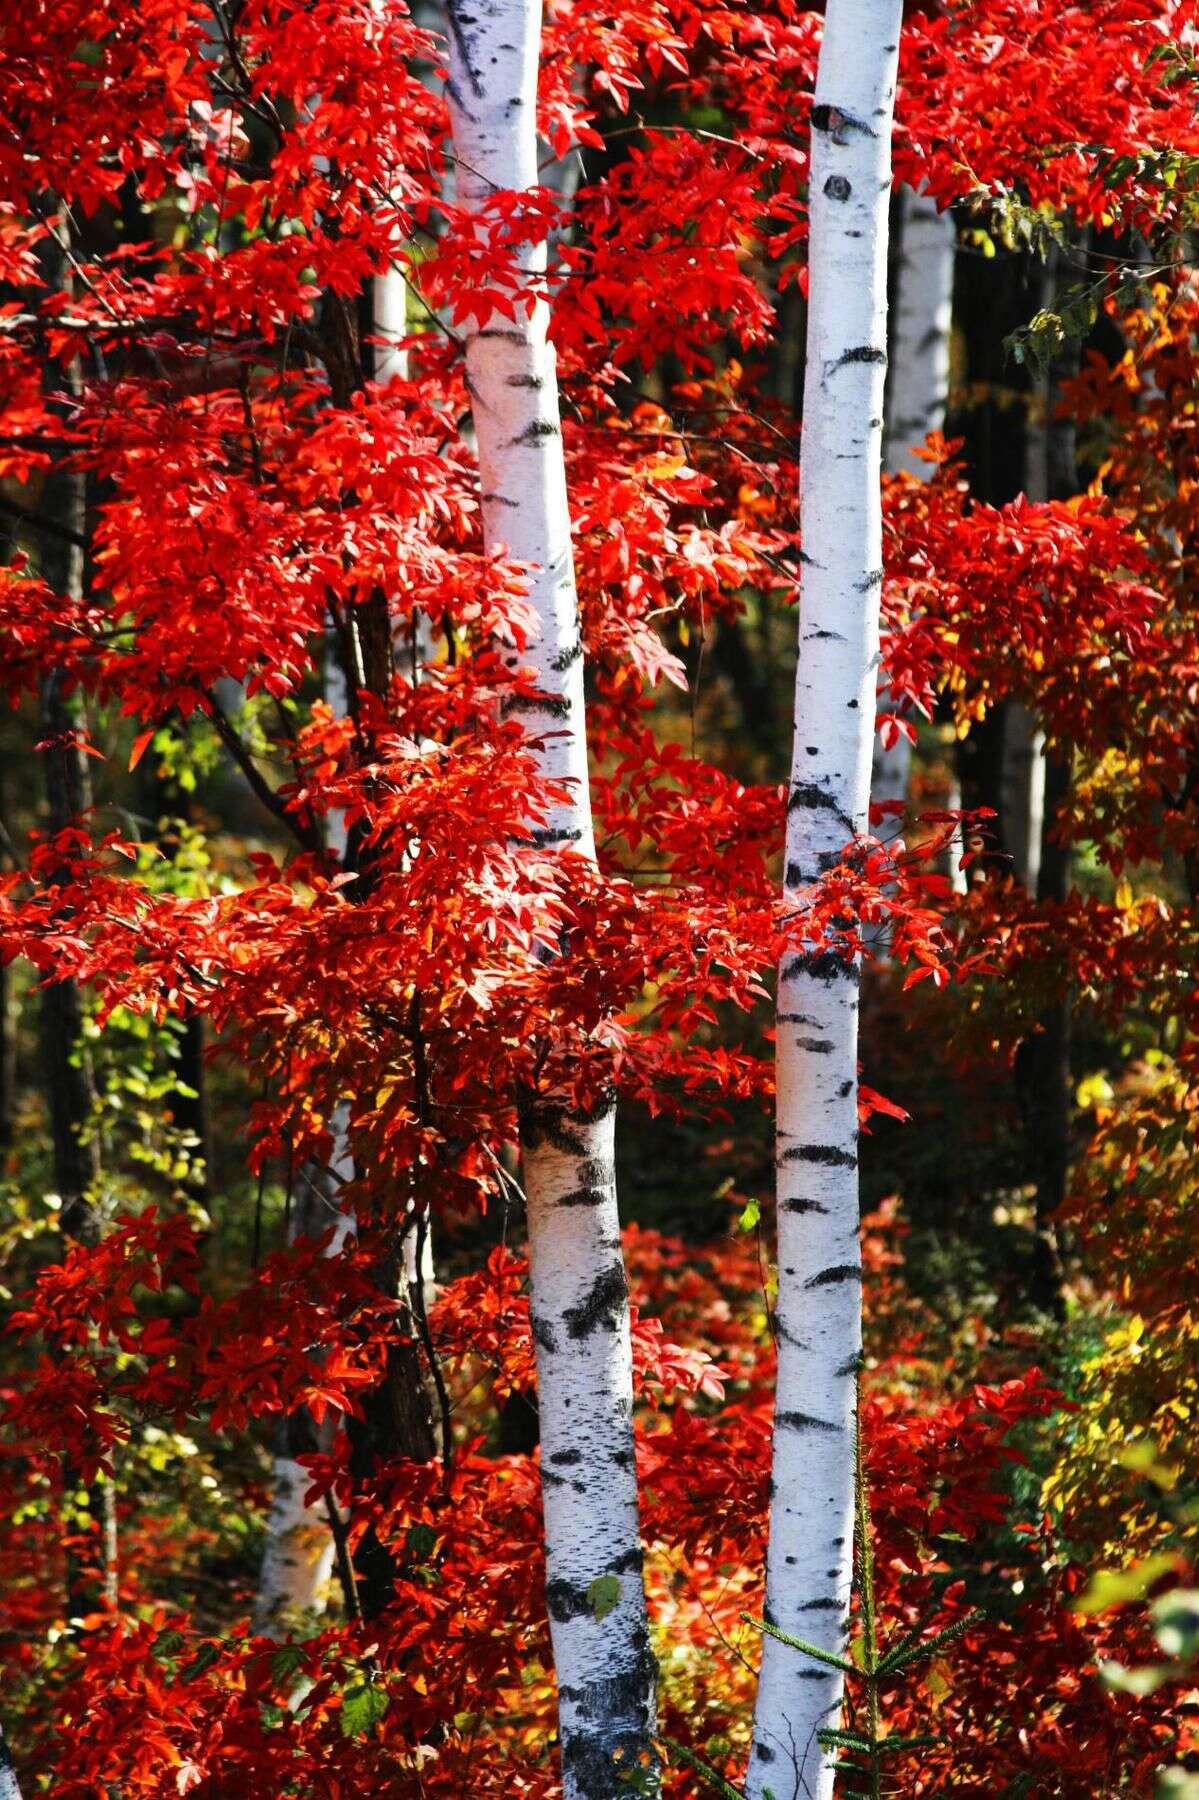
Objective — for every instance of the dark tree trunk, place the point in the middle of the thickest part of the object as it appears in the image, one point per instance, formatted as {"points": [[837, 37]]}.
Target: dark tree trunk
{"points": [[1043, 1073]]}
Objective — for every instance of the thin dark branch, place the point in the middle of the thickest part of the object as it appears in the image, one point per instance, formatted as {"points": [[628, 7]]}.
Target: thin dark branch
{"points": [[24, 515], [345, 1568], [253, 774]]}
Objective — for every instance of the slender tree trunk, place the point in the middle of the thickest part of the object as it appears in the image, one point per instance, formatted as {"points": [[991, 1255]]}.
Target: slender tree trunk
{"points": [[810, 1559], [298, 1556], [1023, 791], [8, 1056], [918, 383], [398, 1420], [917, 392], [9, 1789], [579, 1291], [66, 1058], [1043, 1078]]}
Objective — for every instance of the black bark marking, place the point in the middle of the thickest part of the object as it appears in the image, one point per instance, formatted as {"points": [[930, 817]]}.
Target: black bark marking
{"points": [[851, 1366], [810, 796], [500, 500], [804, 1206], [556, 707], [832, 1277], [820, 1606], [826, 1155], [526, 381], [763, 1752], [567, 1600], [837, 122], [811, 750], [801, 1421], [845, 1089], [566, 657], [797, 1019], [851, 706], [545, 837], [543, 1333], [837, 187], [794, 875], [860, 353], [456, 19], [536, 432], [542, 1122], [603, 1305], [566, 1459], [821, 965], [817, 1046], [505, 332], [597, 1178], [872, 580]]}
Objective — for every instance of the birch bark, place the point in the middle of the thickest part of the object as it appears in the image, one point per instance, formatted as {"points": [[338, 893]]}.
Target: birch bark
{"points": [[579, 1298], [9, 1788], [298, 1555], [809, 1562], [918, 392]]}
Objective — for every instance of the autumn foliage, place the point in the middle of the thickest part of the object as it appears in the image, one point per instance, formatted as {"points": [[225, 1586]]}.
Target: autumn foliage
{"points": [[245, 583]]}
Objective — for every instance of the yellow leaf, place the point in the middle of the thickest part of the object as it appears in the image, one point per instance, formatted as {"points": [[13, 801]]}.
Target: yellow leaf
{"points": [[1116, 1587]]}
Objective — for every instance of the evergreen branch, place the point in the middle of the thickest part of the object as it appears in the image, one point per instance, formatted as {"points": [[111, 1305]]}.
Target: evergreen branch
{"points": [[794, 1643], [906, 1652], [713, 1777]]}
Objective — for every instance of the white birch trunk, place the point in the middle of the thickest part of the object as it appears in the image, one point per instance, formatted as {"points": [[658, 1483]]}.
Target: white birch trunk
{"points": [[919, 374], [579, 1297], [297, 1561], [9, 1788], [1023, 779], [298, 1555], [918, 393], [810, 1557]]}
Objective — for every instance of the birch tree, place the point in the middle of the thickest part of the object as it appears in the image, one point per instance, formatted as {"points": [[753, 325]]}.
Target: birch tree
{"points": [[9, 1788], [918, 390], [809, 1562], [579, 1297]]}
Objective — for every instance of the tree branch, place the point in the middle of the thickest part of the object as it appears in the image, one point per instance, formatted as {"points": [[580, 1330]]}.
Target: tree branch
{"points": [[253, 774], [25, 516]]}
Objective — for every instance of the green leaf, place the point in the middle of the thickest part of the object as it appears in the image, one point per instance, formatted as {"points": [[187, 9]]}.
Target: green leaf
{"points": [[168, 1643], [204, 1658], [751, 1218], [362, 1707], [602, 1594], [1116, 1587], [287, 1662], [421, 1541]]}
